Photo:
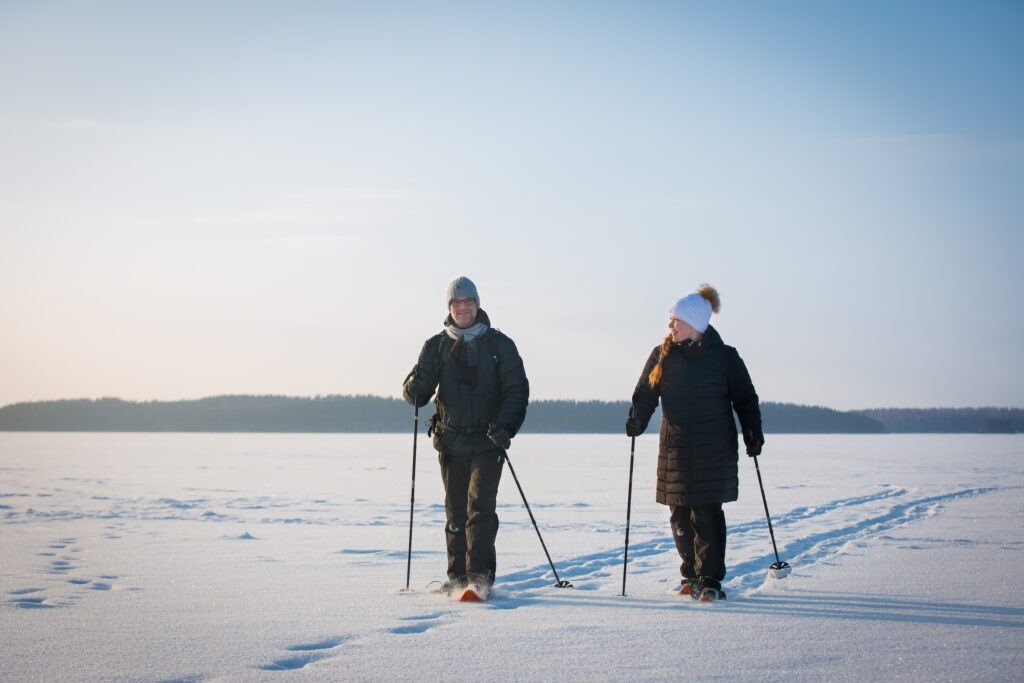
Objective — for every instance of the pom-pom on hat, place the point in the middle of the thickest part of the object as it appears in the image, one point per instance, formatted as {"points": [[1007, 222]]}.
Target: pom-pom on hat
{"points": [[696, 309], [461, 288]]}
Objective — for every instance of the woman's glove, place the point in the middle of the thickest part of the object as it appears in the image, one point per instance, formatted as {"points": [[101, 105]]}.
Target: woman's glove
{"points": [[499, 436], [754, 441]]}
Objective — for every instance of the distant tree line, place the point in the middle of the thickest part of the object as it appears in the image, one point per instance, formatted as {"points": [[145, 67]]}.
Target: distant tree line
{"points": [[214, 414], [369, 414], [949, 420]]}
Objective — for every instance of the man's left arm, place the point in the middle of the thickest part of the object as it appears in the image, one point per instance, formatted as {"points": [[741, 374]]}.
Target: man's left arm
{"points": [[513, 387]]}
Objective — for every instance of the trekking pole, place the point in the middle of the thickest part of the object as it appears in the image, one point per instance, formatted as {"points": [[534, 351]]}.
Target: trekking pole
{"points": [[412, 495], [780, 569], [558, 582], [629, 503]]}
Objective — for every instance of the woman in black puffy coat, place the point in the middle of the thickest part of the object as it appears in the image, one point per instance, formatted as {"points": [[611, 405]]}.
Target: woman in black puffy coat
{"points": [[700, 382]]}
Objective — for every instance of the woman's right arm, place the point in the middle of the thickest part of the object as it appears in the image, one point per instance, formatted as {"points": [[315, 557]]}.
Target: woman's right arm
{"points": [[645, 397]]}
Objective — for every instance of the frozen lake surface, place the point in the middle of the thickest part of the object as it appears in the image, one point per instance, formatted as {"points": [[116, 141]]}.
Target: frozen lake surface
{"points": [[241, 557]]}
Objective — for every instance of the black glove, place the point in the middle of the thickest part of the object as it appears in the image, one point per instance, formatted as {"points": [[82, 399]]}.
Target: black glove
{"points": [[754, 441], [633, 427], [499, 436], [409, 387]]}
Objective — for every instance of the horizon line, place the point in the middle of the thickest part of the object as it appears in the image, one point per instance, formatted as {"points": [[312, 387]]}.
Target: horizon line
{"points": [[532, 400]]}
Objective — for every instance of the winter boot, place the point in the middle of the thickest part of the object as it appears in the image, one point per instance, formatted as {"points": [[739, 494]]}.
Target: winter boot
{"points": [[690, 587], [450, 586]]}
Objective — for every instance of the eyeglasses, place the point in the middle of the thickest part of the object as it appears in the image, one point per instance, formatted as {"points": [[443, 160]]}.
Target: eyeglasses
{"points": [[463, 303]]}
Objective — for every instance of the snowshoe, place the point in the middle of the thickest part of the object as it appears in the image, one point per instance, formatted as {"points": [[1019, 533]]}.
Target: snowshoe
{"points": [[689, 587], [474, 592], [709, 594]]}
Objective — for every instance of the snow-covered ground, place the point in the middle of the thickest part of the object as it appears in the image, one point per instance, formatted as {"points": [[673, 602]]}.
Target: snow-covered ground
{"points": [[218, 557]]}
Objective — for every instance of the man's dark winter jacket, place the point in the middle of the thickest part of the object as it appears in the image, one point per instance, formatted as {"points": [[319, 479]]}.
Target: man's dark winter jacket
{"points": [[476, 388], [701, 384]]}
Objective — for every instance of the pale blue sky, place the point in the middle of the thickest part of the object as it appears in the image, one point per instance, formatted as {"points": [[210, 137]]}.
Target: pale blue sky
{"points": [[202, 198]]}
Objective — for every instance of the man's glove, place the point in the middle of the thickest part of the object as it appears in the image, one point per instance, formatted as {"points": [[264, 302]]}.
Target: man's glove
{"points": [[409, 387], [499, 436], [633, 427], [754, 441]]}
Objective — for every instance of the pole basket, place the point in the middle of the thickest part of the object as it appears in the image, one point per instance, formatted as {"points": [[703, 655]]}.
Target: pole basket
{"points": [[563, 584], [779, 570]]}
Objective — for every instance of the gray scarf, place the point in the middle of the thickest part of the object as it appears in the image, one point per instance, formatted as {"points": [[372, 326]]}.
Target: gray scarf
{"points": [[464, 350], [467, 334]]}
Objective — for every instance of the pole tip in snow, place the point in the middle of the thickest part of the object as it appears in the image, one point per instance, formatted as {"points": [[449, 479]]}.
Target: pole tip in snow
{"points": [[563, 584], [779, 570]]}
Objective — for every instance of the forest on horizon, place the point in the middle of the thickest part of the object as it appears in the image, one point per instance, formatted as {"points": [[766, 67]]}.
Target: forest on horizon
{"points": [[376, 414]]}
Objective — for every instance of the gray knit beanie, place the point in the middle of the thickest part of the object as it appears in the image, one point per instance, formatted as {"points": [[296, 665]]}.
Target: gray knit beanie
{"points": [[461, 288]]}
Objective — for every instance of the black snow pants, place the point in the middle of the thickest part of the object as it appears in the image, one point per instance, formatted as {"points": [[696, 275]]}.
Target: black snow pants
{"points": [[699, 533], [470, 501]]}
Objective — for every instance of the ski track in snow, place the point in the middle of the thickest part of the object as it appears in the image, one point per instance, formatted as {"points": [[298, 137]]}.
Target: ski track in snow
{"points": [[861, 519], [802, 548], [802, 543]]}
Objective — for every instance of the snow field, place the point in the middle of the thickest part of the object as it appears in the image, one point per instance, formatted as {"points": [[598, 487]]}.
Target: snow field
{"points": [[219, 557]]}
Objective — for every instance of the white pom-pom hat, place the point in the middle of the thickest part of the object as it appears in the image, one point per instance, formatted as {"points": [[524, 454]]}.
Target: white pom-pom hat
{"points": [[694, 310]]}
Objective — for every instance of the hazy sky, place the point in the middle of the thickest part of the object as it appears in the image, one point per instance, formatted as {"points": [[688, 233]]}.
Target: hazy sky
{"points": [[202, 198]]}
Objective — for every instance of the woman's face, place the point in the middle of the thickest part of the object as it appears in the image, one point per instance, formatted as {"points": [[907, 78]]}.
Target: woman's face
{"points": [[680, 330], [463, 311]]}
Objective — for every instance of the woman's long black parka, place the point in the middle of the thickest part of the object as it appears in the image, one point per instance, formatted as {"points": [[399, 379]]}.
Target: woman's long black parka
{"points": [[701, 384]]}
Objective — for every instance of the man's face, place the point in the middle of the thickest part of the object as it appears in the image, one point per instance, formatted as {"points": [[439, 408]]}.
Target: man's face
{"points": [[463, 311]]}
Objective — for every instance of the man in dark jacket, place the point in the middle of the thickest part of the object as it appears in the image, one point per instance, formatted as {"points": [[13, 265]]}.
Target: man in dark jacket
{"points": [[482, 393], [700, 382]]}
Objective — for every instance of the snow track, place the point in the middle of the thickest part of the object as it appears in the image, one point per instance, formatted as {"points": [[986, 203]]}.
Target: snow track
{"points": [[807, 536]]}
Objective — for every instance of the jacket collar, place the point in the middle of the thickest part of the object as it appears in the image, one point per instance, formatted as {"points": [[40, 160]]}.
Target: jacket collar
{"points": [[690, 349]]}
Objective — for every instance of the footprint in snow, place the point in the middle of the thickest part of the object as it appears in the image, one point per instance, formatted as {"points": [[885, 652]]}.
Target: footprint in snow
{"points": [[322, 645], [310, 652], [418, 624], [292, 663], [422, 617], [32, 602], [60, 566]]}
